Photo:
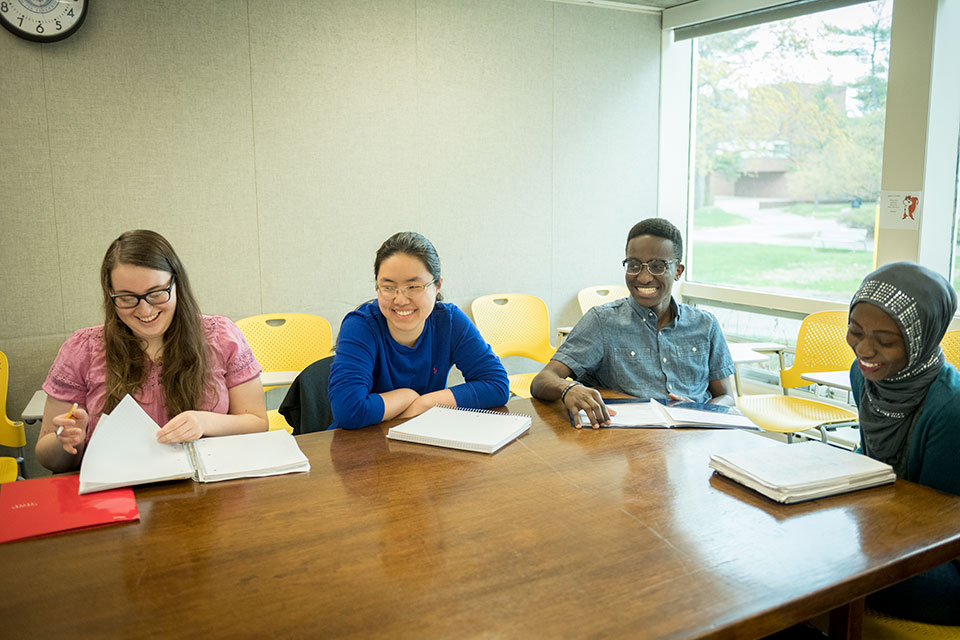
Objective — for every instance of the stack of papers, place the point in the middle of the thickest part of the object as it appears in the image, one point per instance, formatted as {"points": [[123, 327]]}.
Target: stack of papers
{"points": [[795, 472]]}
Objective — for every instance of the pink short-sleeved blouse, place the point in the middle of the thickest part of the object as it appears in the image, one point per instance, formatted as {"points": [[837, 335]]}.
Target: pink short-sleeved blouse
{"points": [[79, 372]]}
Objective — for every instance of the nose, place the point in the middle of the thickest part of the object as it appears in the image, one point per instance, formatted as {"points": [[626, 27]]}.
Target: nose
{"points": [[144, 305]]}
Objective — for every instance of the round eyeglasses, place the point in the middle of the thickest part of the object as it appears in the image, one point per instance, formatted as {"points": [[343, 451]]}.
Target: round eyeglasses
{"points": [[411, 291], [655, 267], [131, 300]]}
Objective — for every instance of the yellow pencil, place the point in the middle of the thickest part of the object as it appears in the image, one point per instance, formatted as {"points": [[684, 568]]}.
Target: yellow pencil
{"points": [[72, 409]]}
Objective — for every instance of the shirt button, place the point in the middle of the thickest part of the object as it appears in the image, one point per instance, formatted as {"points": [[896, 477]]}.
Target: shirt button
{"points": [[633, 353], [664, 359], [694, 348]]}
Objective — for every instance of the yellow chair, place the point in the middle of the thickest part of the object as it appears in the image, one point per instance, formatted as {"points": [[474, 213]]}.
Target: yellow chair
{"points": [[880, 626], [8, 469], [821, 346], [951, 347], [515, 324], [12, 433], [286, 342], [592, 296]]}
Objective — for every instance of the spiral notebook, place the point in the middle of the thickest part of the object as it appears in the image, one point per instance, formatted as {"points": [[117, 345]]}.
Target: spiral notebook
{"points": [[458, 428]]}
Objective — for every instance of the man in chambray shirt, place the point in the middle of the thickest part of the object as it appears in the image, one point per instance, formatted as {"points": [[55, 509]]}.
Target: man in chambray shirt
{"points": [[646, 345]]}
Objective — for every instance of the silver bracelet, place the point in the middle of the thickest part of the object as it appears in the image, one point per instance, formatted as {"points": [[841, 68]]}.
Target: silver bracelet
{"points": [[563, 394]]}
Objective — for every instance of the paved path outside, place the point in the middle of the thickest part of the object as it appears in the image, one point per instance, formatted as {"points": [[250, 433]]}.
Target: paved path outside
{"points": [[769, 226]]}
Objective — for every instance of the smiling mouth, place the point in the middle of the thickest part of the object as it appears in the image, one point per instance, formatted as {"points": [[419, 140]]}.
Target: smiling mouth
{"points": [[406, 313], [868, 366], [149, 319], [646, 291]]}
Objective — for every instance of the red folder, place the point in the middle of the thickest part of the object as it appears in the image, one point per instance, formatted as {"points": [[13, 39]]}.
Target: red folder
{"points": [[38, 507]]}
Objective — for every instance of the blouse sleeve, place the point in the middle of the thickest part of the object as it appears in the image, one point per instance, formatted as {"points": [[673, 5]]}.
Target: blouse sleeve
{"points": [[67, 379], [351, 376], [486, 380], [239, 363]]}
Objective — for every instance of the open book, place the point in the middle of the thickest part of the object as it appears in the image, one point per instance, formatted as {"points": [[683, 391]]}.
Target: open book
{"points": [[124, 451], [795, 472], [458, 428], [655, 415]]}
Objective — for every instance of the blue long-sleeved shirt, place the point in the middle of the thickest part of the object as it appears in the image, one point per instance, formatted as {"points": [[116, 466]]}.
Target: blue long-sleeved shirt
{"points": [[370, 362]]}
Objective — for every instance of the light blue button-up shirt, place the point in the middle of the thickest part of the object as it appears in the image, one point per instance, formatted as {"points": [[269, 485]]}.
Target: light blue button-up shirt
{"points": [[618, 346]]}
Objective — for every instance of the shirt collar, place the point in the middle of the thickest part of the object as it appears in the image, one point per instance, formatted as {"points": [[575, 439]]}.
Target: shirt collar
{"points": [[646, 312]]}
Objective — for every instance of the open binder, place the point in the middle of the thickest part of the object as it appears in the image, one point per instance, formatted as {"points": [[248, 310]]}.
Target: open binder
{"points": [[124, 451], [457, 428], [651, 414]]}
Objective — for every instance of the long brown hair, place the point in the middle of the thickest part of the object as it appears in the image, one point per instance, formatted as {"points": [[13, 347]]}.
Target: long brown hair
{"points": [[185, 375]]}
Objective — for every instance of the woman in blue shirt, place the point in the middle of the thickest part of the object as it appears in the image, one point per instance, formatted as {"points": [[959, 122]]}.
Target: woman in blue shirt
{"points": [[394, 354], [909, 401]]}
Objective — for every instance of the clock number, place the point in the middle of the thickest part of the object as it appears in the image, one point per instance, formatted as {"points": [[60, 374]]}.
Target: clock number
{"points": [[59, 26], [21, 21], [70, 12], [39, 28], [4, 7]]}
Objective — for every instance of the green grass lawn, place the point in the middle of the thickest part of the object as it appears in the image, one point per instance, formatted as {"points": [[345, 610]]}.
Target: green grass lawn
{"points": [[716, 217], [820, 273]]}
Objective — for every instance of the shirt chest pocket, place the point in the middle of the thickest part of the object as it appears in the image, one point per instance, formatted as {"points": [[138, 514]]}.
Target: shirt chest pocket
{"points": [[693, 354], [631, 365]]}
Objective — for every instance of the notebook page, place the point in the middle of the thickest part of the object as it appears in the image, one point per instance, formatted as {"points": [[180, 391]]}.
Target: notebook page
{"points": [[634, 414], [249, 455], [124, 451], [482, 431], [683, 416]]}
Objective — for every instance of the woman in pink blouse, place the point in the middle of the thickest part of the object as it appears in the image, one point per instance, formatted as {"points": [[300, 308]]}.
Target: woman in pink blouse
{"points": [[194, 374]]}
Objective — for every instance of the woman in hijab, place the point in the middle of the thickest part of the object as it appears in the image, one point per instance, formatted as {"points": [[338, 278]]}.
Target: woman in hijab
{"points": [[909, 402]]}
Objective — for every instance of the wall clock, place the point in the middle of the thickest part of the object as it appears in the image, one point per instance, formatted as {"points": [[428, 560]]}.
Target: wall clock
{"points": [[42, 20]]}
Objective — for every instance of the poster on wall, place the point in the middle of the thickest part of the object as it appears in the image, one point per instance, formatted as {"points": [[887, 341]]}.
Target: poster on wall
{"points": [[900, 209]]}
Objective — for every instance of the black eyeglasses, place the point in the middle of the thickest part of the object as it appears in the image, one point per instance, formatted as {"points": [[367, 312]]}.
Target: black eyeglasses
{"points": [[131, 300], [655, 267]]}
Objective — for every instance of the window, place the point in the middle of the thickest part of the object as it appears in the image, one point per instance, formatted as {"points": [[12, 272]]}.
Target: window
{"points": [[786, 150]]}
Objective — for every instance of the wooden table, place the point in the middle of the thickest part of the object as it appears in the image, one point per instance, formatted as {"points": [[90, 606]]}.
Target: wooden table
{"points": [[563, 533]]}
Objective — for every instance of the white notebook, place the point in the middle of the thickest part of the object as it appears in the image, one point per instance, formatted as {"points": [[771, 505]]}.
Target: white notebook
{"points": [[457, 428], [795, 472], [653, 414], [124, 451]]}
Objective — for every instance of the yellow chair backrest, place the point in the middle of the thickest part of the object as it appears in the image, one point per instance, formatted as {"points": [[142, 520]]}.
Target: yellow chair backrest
{"points": [[515, 324], [287, 341], [951, 347], [821, 346], [12, 433], [601, 294]]}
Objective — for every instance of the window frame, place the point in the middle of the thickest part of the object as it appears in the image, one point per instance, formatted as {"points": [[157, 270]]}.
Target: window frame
{"points": [[922, 94]]}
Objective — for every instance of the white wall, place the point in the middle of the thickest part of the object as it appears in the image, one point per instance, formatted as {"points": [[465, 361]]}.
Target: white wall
{"points": [[277, 144]]}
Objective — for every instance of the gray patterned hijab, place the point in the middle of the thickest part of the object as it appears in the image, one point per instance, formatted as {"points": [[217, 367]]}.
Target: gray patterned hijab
{"points": [[922, 303]]}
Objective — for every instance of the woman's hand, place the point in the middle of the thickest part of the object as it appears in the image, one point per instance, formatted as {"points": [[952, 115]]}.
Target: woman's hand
{"points": [[677, 398], [72, 431], [580, 397], [184, 427]]}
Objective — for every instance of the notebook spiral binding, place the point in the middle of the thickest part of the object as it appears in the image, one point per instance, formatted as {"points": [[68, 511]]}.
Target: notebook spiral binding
{"points": [[490, 411]]}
